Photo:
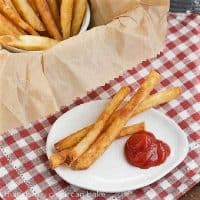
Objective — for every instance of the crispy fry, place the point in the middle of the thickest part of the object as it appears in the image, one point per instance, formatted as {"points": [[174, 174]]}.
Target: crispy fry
{"points": [[8, 28], [78, 15], [53, 5], [94, 132], [158, 98], [59, 158], [7, 9], [112, 132], [76, 137], [72, 139], [151, 101], [129, 130], [28, 14], [9, 2], [47, 18], [28, 42], [32, 4], [66, 17]]}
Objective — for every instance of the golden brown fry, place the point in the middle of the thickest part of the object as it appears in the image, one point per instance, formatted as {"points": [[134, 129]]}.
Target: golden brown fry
{"points": [[53, 5], [47, 18], [158, 99], [72, 139], [94, 132], [79, 10], [76, 137], [129, 130], [151, 101], [112, 132], [66, 17], [28, 42], [59, 158], [9, 2], [8, 28], [6, 8], [28, 14], [32, 4]]}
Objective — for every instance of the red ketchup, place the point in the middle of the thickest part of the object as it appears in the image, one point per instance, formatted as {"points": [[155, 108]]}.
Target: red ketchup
{"points": [[143, 150]]}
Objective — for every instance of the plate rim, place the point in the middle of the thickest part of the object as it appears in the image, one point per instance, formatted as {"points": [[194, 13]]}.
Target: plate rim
{"points": [[173, 166]]}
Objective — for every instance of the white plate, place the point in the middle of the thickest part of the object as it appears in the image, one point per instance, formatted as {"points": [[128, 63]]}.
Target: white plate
{"points": [[111, 172], [84, 27]]}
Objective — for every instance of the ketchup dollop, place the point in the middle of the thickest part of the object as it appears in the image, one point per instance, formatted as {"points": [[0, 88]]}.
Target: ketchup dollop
{"points": [[143, 150]]}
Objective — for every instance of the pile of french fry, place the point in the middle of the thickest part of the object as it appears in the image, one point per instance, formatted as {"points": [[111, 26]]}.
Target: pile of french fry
{"points": [[82, 148], [39, 24]]}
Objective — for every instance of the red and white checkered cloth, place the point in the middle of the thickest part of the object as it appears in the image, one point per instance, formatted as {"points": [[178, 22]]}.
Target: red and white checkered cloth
{"points": [[25, 173]]}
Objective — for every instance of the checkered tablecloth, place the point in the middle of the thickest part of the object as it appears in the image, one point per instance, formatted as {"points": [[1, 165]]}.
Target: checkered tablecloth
{"points": [[25, 173]]}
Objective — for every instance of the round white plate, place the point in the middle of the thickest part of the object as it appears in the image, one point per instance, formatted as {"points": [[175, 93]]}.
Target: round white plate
{"points": [[84, 27], [111, 172]]}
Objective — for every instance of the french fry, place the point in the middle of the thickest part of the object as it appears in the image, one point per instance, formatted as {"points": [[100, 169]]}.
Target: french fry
{"points": [[53, 5], [28, 14], [66, 9], [8, 28], [79, 10], [158, 99], [130, 130], [98, 126], [7, 9], [112, 132], [9, 2], [28, 42], [32, 4], [76, 137], [47, 18], [72, 139], [59, 158], [151, 101]]}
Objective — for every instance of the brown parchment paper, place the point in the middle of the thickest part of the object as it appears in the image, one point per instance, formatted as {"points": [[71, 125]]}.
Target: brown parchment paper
{"points": [[35, 84]]}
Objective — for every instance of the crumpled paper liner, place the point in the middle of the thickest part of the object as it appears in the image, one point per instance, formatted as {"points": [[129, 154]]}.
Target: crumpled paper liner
{"points": [[36, 84]]}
